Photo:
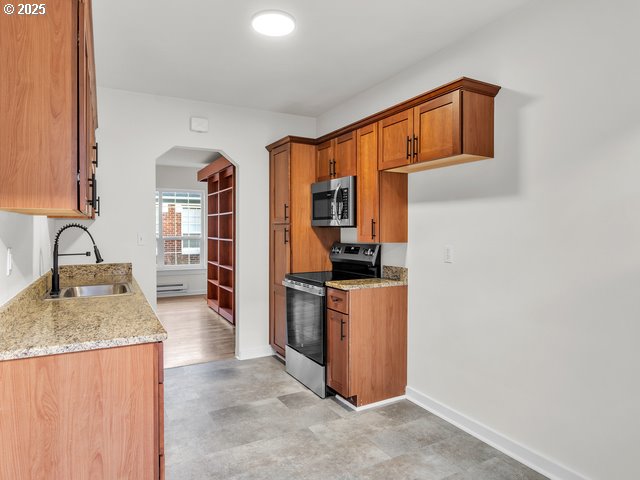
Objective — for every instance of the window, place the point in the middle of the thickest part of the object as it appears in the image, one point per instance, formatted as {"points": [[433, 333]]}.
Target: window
{"points": [[179, 219]]}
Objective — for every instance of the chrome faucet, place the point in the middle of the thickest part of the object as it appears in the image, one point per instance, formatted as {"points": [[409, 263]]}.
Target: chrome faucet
{"points": [[55, 277]]}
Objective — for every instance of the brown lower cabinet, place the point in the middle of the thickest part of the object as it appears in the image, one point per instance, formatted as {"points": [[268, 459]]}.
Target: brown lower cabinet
{"points": [[95, 414], [367, 343]]}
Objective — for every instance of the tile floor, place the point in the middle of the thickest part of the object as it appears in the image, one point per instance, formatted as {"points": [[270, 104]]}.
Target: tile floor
{"points": [[250, 420]]}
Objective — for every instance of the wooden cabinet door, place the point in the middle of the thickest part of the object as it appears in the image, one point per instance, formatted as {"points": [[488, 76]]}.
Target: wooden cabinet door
{"points": [[395, 140], [279, 178], [281, 265], [345, 149], [324, 161], [437, 128], [279, 305], [368, 184], [338, 352], [281, 252]]}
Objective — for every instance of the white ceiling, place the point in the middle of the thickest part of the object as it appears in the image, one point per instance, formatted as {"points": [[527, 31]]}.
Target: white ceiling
{"points": [[187, 157], [206, 49]]}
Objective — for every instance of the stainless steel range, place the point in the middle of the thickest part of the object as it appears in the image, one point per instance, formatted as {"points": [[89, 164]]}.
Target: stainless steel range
{"points": [[306, 310]]}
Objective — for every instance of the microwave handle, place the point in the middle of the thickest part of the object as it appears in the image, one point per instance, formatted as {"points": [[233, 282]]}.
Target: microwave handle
{"points": [[337, 206]]}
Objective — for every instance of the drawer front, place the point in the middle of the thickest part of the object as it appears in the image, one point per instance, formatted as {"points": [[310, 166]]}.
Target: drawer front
{"points": [[338, 300]]}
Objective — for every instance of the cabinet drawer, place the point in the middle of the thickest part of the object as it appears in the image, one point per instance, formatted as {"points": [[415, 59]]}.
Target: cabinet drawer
{"points": [[338, 300]]}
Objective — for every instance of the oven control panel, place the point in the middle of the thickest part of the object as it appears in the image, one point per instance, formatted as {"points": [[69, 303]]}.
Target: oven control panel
{"points": [[355, 252]]}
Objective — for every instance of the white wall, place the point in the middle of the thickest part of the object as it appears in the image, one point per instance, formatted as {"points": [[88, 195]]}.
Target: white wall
{"points": [[134, 130], [183, 178], [534, 330], [28, 238]]}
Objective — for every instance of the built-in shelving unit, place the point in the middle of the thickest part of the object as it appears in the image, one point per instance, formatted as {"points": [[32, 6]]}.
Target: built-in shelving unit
{"points": [[220, 178]]}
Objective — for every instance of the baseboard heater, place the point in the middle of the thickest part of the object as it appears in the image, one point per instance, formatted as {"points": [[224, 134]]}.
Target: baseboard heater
{"points": [[164, 288]]}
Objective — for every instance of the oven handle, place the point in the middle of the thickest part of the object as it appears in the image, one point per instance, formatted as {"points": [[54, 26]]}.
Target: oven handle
{"points": [[312, 289]]}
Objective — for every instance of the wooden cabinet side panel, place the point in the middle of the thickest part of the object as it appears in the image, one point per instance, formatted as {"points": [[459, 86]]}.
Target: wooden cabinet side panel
{"points": [[477, 124], [38, 101], [309, 245], [80, 415], [378, 343], [394, 216], [367, 184]]}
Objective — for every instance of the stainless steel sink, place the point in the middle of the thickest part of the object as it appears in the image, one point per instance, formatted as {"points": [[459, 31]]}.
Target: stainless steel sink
{"points": [[105, 290]]}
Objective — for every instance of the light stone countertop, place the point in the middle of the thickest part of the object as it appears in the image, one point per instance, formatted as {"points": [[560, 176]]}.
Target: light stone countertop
{"points": [[31, 326], [364, 283]]}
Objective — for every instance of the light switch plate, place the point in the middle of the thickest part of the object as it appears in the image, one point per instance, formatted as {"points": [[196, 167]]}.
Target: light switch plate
{"points": [[448, 254], [140, 239]]}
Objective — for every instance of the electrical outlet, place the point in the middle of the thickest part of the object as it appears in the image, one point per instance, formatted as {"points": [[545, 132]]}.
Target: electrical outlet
{"points": [[448, 254], [9, 261], [140, 239]]}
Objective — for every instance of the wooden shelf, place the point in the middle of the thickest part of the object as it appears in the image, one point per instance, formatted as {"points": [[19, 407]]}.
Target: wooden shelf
{"points": [[220, 237], [225, 312]]}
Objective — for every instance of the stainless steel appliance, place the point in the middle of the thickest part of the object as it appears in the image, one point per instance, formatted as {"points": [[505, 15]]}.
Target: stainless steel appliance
{"points": [[306, 308], [333, 203]]}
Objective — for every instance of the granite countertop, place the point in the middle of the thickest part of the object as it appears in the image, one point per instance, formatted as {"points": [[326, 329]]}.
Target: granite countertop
{"points": [[392, 277], [31, 326], [364, 283]]}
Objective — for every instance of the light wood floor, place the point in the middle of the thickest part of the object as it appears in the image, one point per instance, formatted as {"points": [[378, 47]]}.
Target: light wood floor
{"points": [[196, 333]]}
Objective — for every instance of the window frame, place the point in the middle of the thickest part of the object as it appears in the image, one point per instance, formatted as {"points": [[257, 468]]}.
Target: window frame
{"points": [[160, 266]]}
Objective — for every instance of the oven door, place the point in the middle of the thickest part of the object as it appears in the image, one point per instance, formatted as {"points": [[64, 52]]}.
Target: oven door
{"points": [[305, 319]]}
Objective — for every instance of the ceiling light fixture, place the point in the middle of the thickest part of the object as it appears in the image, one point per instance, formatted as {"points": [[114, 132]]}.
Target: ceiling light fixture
{"points": [[273, 23]]}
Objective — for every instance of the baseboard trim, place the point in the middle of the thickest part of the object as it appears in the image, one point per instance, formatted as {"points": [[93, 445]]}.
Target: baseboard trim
{"points": [[186, 293], [370, 405], [255, 352], [519, 452]]}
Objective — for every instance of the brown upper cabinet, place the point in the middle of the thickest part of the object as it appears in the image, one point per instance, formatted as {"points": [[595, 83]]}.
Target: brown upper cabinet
{"points": [[48, 152], [280, 201], [453, 128], [336, 158], [382, 196]]}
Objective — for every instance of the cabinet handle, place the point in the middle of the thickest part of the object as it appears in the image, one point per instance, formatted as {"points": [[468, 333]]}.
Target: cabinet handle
{"points": [[373, 228], [97, 211], [330, 171], [285, 211], [415, 146], [342, 335], [335, 299], [333, 172], [94, 187], [286, 232], [95, 162], [408, 146]]}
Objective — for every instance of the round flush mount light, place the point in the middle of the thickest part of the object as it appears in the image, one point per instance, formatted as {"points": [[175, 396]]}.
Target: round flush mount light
{"points": [[273, 23]]}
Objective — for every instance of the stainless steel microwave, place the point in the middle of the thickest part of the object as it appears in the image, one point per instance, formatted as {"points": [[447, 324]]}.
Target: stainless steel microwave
{"points": [[333, 203]]}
